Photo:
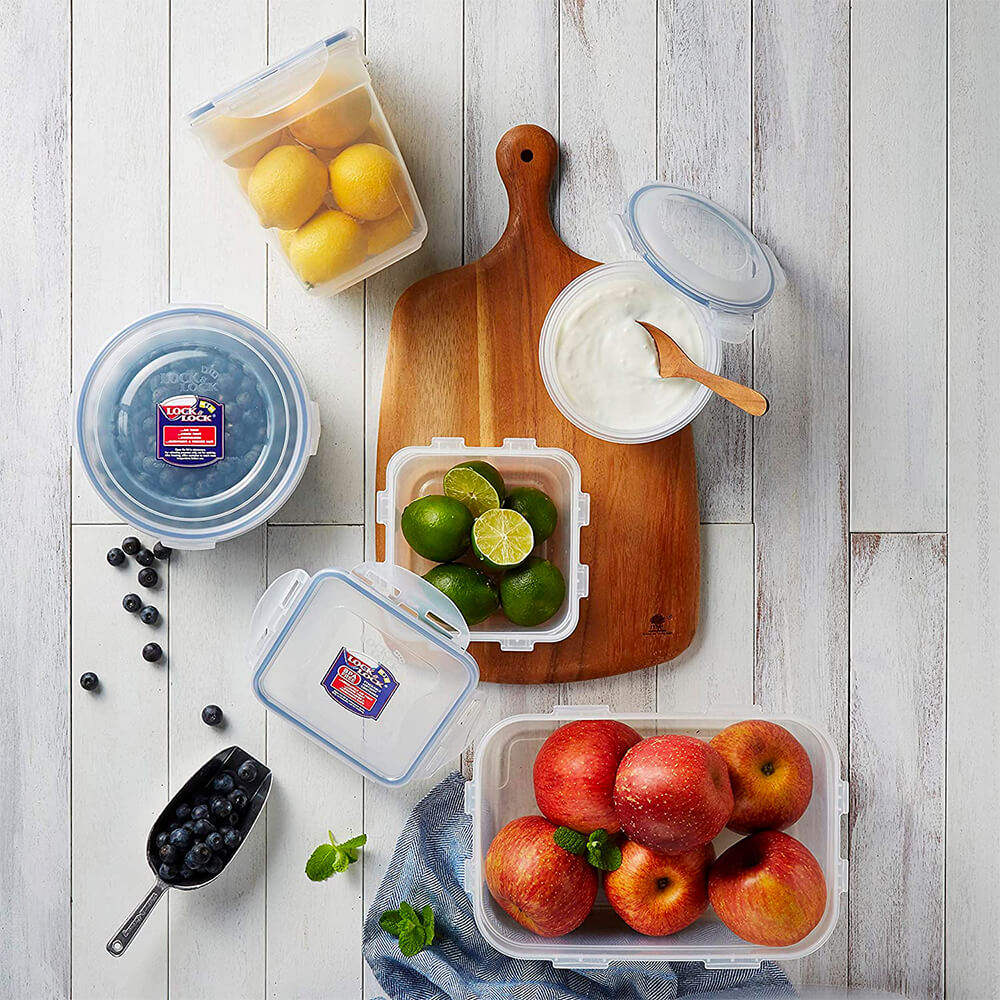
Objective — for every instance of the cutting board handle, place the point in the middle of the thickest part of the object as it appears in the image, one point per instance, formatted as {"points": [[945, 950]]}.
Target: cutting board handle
{"points": [[526, 158]]}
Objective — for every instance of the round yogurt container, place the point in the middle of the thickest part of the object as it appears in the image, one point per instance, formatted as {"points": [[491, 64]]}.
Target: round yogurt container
{"points": [[194, 425], [700, 276]]}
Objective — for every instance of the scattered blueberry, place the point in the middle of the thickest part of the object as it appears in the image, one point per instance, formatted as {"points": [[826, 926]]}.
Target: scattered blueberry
{"points": [[168, 853], [115, 556], [214, 841], [221, 807], [211, 715], [200, 811], [198, 856], [203, 827], [162, 551], [183, 811], [162, 838], [247, 772], [144, 557], [180, 837], [231, 838], [223, 782], [167, 872], [131, 545], [131, 603], [214, 865], [89, 681], [148, 577], [149, 615], [238, 797], [151, 652]]}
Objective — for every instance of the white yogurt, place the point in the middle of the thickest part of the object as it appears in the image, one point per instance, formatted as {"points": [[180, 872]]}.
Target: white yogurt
{"points": [[607, 365]]}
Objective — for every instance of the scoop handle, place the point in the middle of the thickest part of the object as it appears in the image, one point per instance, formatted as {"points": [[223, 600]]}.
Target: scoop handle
{"points": [[128, 930]]}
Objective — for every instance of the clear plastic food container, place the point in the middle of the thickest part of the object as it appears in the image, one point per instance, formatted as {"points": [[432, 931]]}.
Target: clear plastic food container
{"points": [[698, 252], [307, 143], [417, 471], [502, 790], [370, 664], [194, 425]]}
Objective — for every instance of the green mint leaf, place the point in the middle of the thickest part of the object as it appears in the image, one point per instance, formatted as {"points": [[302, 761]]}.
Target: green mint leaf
{"points": [[412, 940], [355, 842], [322, 863], [390, 922], [597, 837], [570, 840], [427, 919], [609, 858], [408, 914]]}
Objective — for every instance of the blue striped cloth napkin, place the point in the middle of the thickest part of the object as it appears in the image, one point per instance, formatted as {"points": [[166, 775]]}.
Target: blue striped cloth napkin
{"points": [[426, 867]]}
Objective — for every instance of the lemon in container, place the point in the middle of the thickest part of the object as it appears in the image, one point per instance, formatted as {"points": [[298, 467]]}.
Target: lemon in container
{"points": [[311, 151]]}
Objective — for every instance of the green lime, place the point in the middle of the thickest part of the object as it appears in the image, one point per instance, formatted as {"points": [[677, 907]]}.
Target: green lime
{"points": [[536, 508], [502, 538], [470, 590], [532, 593], [471, 488], [437, 527]]}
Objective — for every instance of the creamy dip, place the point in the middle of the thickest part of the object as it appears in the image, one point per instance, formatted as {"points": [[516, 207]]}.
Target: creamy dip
{"points": [[607, 365]]}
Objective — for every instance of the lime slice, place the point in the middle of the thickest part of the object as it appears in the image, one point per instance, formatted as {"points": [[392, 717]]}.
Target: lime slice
{"points": [[502, 538], [472, 489]]}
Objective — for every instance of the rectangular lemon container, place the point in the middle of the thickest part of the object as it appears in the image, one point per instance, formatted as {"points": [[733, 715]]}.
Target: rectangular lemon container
{"points": [[306, 141], [502, 790]]}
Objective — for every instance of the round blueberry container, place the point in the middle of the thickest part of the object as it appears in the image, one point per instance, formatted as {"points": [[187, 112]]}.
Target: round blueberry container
{"points": [[193, 424]]}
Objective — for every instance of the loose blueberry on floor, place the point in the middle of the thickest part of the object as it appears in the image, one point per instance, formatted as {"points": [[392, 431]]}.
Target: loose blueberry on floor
{"points": [[214, 865], [200, 811], [115, 556], [151, 652], [167, 872], [203, 827], [238, 797], [149, 615], [144, 557], [168, 853], [211, 715], [214, 841], [180, 837], [131, 603], [231, 838], [148, 577], [247, 772], [162, 838], [221, 807], [223, 782], [131, 545], [162, 551], [89, 681], [183, 811]]}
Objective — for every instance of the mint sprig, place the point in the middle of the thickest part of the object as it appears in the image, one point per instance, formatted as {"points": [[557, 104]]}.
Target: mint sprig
{"points": [[328, 859], [599, 851], [415, 931]]}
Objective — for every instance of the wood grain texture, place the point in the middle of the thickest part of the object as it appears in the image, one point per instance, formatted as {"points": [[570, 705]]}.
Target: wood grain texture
{"points": [[898, 196], [973, 866], [35, 501], [703, 142], [800, 196], [501, 301], [898, 614]]}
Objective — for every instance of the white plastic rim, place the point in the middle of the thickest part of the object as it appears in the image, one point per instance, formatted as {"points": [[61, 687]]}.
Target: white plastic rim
{"points": [[547, 361]]}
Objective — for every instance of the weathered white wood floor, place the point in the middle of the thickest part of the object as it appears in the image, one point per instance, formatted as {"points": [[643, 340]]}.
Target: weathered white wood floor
{"points": [[852, 538]]}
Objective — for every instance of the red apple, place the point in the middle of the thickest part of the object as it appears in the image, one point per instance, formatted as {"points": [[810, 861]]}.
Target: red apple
{"points": [[575, 773], [768, 889], [770, 773], [544, 888], [672, 793], [658, 893]]}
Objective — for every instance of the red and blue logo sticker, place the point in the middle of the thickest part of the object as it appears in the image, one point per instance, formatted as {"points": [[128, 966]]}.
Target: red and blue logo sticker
{"points": [[362, 686], [190, 431]]}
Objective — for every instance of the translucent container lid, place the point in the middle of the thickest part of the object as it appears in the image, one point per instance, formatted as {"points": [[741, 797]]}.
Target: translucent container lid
{"points": [[703, 251], [193, 424], [370, 664]]}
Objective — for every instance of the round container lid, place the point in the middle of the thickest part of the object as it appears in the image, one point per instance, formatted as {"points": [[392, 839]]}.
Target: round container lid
{"points": [[193, 425], [701, 249]]}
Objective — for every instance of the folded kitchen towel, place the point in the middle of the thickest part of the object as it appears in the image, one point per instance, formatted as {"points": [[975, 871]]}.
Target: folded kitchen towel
{"points": [[426, 867]]}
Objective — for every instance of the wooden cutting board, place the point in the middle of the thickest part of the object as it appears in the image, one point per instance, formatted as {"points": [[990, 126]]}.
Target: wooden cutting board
{"points": [[463, 362]]}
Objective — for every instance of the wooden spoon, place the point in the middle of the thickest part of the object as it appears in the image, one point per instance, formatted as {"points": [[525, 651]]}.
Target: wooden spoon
{"points": [[674, 363]]}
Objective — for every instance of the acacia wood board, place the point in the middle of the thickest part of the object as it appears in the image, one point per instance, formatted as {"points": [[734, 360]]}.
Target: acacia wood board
{"points": [[463, 362]]}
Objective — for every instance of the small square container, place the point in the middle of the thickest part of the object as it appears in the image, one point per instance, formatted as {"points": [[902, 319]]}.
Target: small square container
{"points": [[370, 664], [415, 472], [307, 143], [502, 789]]}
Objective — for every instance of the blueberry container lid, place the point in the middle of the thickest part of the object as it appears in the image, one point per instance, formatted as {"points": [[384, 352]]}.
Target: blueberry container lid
{"points": [[193, 424], [371, 664]]}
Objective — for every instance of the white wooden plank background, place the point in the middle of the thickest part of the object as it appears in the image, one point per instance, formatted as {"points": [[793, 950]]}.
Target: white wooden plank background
{"points": [[851, 551]]}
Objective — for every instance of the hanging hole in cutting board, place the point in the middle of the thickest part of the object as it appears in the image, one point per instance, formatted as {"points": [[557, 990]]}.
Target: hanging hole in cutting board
{"points": [[527, 155]]}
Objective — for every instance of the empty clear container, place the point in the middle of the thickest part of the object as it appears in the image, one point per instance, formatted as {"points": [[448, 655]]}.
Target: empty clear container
{"points": [[307, 143]]}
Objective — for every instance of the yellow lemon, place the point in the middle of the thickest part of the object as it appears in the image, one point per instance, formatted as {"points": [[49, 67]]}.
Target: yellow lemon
{"points": [[386, 233], [249, 155], [285, 237], [337, 123], [326, 246], [287, 186], [367, 182]]}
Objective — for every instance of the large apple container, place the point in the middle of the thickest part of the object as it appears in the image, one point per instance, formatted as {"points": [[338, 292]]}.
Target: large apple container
{"points": [[502, 789], [194, 425], [306, 142], [418, 471], [690, 268]]}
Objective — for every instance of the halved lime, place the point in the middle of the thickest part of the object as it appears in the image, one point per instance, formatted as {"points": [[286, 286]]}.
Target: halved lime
{"points": [[470, 487], [502, 538]]}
